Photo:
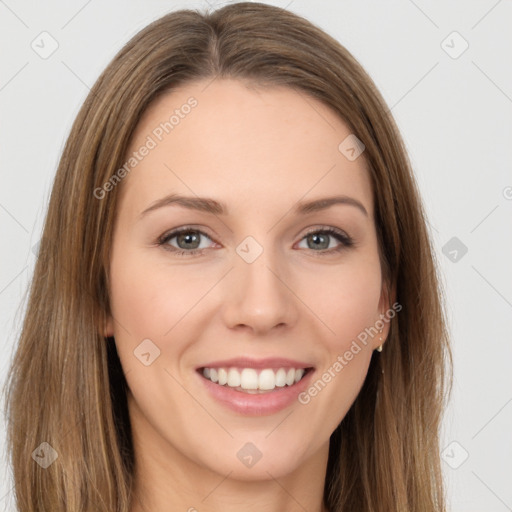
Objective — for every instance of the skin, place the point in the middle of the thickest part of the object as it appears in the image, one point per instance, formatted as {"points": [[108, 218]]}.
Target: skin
{"points": [[259, 151]]}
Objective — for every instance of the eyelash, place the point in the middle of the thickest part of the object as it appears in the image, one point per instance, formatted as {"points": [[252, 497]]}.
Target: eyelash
{"points": [[345, 240]]}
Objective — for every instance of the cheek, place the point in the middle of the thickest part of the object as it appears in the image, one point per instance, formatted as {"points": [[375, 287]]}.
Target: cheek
{"points": [[152, 300], [346, 299], [149, 299]]}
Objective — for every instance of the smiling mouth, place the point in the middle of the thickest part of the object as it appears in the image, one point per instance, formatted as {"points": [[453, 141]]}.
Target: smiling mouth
{"points": [[252, 380]]}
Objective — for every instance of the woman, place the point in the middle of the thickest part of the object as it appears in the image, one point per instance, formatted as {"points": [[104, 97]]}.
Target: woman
{"points": [[236, 304]]}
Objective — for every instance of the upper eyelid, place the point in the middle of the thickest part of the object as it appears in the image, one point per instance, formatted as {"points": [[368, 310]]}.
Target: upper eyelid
{"points": [[169, 235]]}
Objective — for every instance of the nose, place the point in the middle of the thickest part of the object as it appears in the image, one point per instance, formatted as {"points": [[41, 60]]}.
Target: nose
{"points": [[258, 296]]}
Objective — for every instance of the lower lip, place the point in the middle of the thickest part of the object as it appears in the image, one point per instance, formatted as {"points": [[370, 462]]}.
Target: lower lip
{"points": [[260, 404]]}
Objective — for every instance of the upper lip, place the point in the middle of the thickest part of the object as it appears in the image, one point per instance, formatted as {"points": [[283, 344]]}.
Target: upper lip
{"points": [[248, 362]]}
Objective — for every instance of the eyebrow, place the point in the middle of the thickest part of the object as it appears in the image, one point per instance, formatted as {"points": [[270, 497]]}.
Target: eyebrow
{"points": [[214, 207]]}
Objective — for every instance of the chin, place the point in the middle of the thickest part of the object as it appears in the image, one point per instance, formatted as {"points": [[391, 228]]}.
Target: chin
{"points": [[259, 460]]}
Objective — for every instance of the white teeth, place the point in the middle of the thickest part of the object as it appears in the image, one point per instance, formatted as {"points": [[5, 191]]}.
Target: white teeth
{"points": [[223, 376], [280, 377], [267, 379], [233, 378], [249, 378]]}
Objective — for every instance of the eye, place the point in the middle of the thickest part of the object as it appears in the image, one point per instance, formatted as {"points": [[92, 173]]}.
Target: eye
{"points": [[320, 240], [188, 241]]}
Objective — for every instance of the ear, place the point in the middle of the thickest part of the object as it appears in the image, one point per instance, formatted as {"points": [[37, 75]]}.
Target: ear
{"points": [[107, 329], [387, 299], [387, 296]]}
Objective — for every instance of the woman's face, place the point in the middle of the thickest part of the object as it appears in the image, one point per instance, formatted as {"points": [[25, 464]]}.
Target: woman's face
{"points": [[255, 289]]}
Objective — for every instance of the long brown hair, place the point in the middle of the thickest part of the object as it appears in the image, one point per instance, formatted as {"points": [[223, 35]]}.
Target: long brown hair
{"points": [[66, 386]]}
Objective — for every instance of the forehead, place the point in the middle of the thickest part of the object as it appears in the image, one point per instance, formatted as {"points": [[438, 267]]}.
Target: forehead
{"points": [[248, 146]]}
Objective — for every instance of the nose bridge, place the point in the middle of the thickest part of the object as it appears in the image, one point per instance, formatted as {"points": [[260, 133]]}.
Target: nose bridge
{"points": [[258, 296]]}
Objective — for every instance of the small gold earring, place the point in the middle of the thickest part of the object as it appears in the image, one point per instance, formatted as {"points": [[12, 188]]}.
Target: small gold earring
{"points": [[379, 348]]}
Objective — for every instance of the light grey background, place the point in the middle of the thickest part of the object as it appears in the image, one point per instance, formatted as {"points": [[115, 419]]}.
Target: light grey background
{"points": [[454, 114]]}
